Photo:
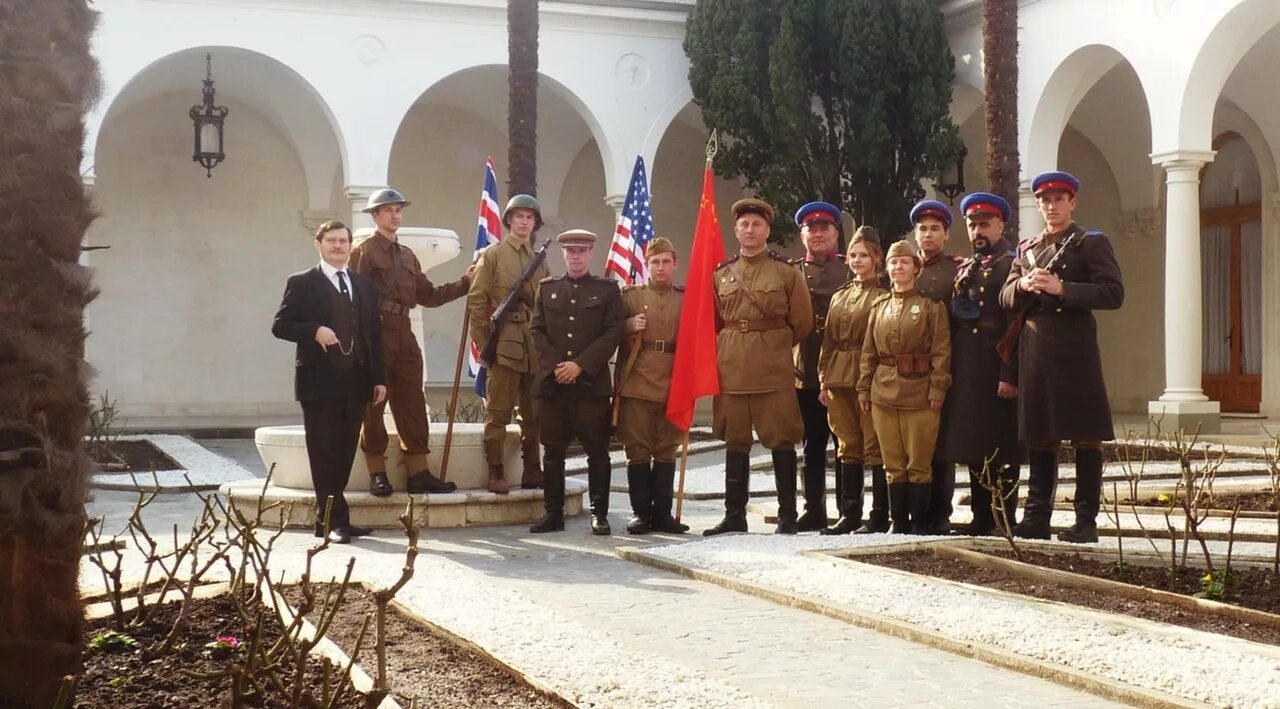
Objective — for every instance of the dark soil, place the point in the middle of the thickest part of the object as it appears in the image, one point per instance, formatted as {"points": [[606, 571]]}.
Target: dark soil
{"points": [[1251, 588], [1249, 501], [123, 679], [425, 666], [137, 457]]}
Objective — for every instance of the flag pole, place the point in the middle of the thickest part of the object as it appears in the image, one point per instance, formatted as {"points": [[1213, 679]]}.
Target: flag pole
{"points": [[453, 397], [684, 463]]}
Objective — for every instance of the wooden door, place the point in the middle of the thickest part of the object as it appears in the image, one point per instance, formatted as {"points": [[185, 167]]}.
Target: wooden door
{"points": [[1233, 379]]}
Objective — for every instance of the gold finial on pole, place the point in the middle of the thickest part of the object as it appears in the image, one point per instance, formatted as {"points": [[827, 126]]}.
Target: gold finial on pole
{"points": [[713, 146]]}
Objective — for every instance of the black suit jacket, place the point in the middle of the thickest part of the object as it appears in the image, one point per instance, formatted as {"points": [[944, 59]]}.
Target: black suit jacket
{"points": [[303, 310]]}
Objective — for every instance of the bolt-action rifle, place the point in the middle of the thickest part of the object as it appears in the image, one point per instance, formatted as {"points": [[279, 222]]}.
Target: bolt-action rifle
{"points": [[502, 313], [1018, 318]]}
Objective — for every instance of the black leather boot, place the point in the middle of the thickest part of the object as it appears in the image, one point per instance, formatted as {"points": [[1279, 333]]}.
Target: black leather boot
{"points": [[1088, 498], [984, 521], [737, 472], [851, 481], [920, 501], [598, 474], [640, 489], [878, 518], [553, 495], [942, 490], [899, 508], [660, 519], [784, 477], [530, 455], [425, 482], [815, 495], [1042, 482], [379, 486]]}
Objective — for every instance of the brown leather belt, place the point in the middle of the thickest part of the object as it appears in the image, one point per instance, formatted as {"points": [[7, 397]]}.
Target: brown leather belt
{"points": [[664, 346], [394, 308], [758, 325], [907, 364]]}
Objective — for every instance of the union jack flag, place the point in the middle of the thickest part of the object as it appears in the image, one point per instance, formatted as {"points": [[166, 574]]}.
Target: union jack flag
{"points": [[634, 230], [488, 233]]}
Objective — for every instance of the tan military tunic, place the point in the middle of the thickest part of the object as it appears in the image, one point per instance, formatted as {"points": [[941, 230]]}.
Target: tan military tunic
{"points": [[643, 427], [838, 369], [823, 277], [763, 308]]}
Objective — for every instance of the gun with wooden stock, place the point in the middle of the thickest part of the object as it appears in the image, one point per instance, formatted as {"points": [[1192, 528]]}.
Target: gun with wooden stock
{"points": [[1018, 318], [489, 356]]}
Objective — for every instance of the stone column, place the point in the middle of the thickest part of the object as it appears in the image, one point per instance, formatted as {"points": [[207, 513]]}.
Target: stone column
{"points": [[1183, 405], [615, 202], [1030, 223], [358, 197]]}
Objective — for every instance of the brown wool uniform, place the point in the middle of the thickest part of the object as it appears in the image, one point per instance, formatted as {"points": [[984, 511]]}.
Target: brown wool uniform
{"points": [[764, 309], [906, 359], [643, 427], [839, 366], [399, 279], [823, 278], [509, 382]]}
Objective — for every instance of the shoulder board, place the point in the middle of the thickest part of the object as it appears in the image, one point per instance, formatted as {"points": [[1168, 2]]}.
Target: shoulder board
{"points": [[728, 261], [882, 298], [797, 261], [777, 256], [678, 288], [1092, 234], [839, 257], [965, 262], [847, 285], [1028, 243], [549, 279], [605, 279], [956, 259], [630, 287]]}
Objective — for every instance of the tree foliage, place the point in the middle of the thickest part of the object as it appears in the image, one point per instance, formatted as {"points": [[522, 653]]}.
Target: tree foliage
{"points": [[842, 100]]}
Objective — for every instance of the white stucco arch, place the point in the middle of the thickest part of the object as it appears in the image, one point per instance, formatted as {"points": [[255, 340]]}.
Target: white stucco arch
{"points": [[279, 93], [1067, 85]]}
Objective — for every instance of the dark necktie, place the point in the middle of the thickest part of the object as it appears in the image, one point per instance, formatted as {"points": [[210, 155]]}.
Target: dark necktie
{"points": [[342, 284]]}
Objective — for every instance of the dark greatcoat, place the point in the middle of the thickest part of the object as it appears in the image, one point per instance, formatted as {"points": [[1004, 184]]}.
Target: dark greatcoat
{"points": [[1061, 392], [980, 423]]}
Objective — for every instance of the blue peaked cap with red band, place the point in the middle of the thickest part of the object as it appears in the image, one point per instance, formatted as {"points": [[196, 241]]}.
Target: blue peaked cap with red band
{"points": [[1061, 181], [931, 208], [985, 203], [818, 211]]}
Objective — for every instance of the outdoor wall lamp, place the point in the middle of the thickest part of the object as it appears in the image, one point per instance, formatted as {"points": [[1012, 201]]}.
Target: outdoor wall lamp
{"points": [[208, 125], [951, 180]]}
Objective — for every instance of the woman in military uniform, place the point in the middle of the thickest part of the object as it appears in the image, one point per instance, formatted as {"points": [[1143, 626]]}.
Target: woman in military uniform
{"points": [[838, 365], [903, 380]]}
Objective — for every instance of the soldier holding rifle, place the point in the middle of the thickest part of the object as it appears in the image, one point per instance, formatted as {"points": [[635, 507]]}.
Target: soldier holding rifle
{"points": [[1056, 282]]}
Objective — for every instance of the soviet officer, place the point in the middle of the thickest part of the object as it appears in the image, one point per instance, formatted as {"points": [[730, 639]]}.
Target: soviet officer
{"points": [[980, 418], [902, 382], [932, 220], [399, 279], [509, 382], [646, 358], [1056, 282], [763, 309], [825, 271], [578, 321]]}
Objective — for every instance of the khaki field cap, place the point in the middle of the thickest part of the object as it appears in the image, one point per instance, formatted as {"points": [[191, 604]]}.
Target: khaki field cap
{"points": [[752, 205], [576, 237], [659, 245], [905, 248]]}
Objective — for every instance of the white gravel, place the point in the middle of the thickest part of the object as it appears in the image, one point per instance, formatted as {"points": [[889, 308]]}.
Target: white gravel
{"points": [[206, 469], [1198, 666]]}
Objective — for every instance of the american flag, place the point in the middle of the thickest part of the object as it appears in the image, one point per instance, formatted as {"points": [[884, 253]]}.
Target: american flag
{"points": [[634, 230], [488, 233]]}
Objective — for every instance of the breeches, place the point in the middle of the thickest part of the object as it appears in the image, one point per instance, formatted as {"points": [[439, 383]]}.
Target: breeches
{"points": [[774, 415], [907, 439]]}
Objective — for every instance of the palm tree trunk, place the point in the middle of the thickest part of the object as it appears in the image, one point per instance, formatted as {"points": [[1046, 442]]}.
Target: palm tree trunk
{"points": [[48, 80], [1000, 76], [522, 109]]}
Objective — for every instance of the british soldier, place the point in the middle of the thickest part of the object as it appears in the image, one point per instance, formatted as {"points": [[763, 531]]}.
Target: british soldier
{"points": [[1056, 281]]}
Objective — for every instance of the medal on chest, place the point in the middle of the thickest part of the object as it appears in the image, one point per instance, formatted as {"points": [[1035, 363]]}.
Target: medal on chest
{"points": [[915, 312]]}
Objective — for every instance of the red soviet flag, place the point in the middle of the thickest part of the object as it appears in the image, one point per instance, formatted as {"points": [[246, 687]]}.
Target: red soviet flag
{"points": [[694, 372]]}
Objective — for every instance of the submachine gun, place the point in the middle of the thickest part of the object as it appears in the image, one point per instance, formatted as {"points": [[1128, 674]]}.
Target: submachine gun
{"points": [[489, 356], [1018, 318]]}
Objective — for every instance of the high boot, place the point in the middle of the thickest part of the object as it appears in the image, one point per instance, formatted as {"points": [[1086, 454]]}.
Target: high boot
{"points": [[942, 490], [984, 521], [851, 480], [1042, 482], [1088, 498], [899, 509], [660, 519], [640, 489], [1009, 489], [815, 495], [784, 477], [919, 500], [497, 478], [878, 518], [737, 480], [598, 473], [531, 454], [553, 493]]}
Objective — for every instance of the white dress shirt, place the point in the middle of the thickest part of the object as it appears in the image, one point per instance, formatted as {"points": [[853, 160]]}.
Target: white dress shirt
{"points": [[332, 274]]}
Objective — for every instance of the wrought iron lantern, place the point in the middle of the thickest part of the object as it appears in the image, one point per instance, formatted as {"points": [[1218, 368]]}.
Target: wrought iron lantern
{"points": [[208, 119], [951, 180]]}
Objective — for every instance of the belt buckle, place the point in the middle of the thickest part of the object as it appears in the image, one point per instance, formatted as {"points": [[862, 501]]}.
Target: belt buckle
{"points": [[742, 326], [659, 345]]}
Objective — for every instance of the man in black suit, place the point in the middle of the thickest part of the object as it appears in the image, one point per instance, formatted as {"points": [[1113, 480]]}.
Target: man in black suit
{"points": [[332, 315]]}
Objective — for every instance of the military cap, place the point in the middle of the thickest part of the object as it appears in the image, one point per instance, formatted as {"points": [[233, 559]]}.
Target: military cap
{"points": [[384, 196], [867, 233], [659, 245], [818, 212], [931, 208], [752, 205], [576, 237], [905, 248], [985, 203], [1055, 181]]}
